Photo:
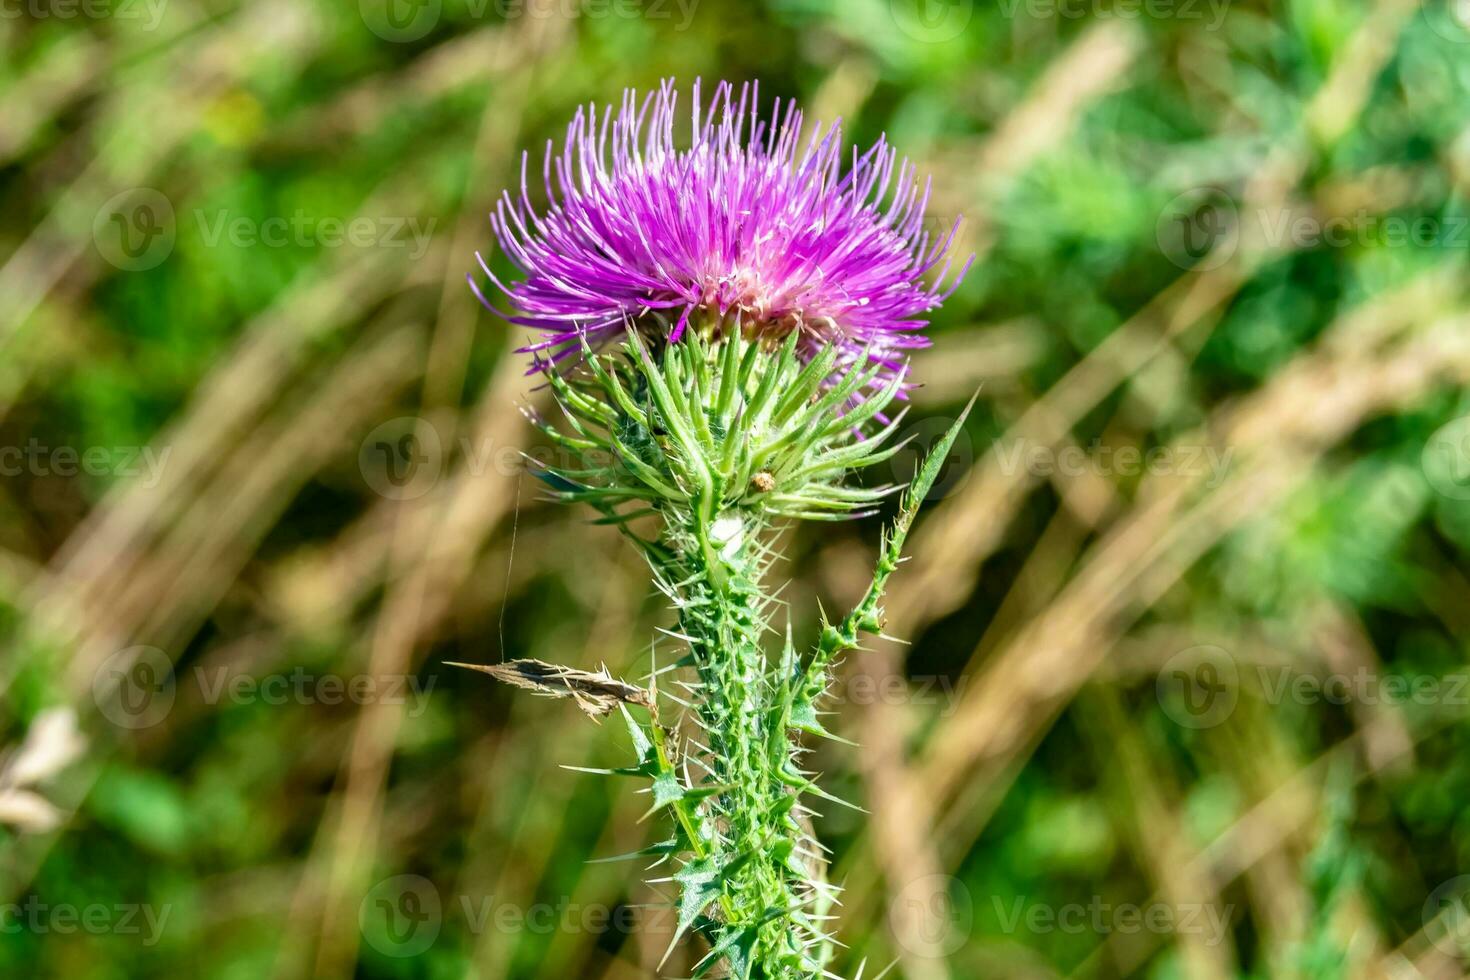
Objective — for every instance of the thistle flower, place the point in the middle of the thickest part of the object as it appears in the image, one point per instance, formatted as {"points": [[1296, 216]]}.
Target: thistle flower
{"points": [[745, 229], [774, 298]]}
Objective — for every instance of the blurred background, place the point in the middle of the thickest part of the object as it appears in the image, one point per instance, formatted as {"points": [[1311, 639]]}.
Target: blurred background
{"points": [[1186, 690]]}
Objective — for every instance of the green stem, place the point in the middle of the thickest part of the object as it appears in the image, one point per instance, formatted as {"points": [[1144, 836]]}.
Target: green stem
{"points": [[719, 435], [722, 612]]}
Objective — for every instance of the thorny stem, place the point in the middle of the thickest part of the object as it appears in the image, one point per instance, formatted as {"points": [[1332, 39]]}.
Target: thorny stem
{"points": [[722, 614], [718, 440]]}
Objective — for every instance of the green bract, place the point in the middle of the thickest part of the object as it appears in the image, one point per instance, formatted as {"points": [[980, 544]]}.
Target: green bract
{"points": [[731, 425]]}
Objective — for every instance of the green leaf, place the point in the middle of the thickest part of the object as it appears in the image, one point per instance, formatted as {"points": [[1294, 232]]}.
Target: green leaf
{"points": [[699, 885], [923, 481], [735, 950]]}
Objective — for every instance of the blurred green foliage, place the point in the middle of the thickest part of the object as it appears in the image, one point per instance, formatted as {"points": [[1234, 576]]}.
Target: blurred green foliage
{"points": [[1067, 133]]}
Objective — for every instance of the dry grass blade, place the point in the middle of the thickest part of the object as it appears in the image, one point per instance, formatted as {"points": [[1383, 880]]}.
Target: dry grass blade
{"points": [[595, 693]]}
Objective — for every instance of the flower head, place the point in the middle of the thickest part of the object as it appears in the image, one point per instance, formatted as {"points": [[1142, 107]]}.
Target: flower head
{"points": [[750, 228]]}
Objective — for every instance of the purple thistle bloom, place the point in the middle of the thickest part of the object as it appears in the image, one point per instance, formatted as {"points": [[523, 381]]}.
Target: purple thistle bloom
{"points": [[745, 228]]}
